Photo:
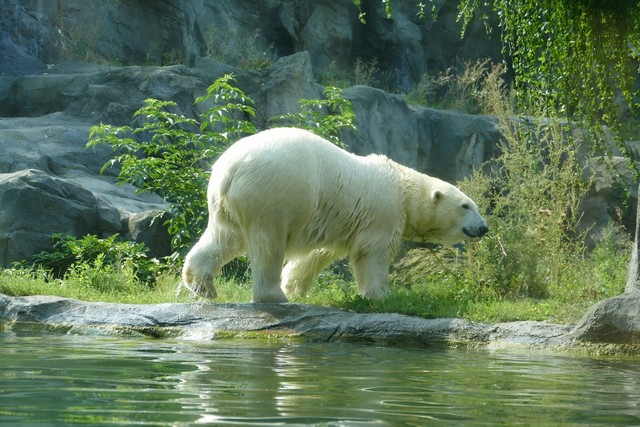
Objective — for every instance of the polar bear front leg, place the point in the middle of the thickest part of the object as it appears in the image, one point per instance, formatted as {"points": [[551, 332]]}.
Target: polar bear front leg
{"points": [[371, 269], [299, 273]]}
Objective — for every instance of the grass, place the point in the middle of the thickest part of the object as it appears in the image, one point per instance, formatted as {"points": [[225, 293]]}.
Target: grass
{"points": [[425, 282], [24, 282]]}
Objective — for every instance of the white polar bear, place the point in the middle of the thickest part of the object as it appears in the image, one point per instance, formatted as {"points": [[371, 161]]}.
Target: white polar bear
{"points": [[288, 195]]}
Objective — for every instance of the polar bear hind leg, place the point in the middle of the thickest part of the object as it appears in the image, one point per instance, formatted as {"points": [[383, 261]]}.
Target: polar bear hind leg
{"points": [[218, 245], [299, 273], [266, 255]]}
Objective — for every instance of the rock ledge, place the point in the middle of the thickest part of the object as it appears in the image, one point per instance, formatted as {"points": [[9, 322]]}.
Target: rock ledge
{"points": [[205, 321]]}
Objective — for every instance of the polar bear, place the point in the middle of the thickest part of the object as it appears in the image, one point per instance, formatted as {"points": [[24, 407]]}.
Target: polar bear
{"points": [[287, 195]]}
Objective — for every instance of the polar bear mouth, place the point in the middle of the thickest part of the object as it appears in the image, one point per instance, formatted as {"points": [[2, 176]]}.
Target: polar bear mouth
{"points": [[475, 232]]}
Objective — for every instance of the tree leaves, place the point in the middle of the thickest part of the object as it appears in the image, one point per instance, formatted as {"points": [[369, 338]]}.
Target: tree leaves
{"points": [[571, 57]]}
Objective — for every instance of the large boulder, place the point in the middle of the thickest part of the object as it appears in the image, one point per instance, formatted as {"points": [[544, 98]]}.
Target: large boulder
{"points": [[617, 319], [445, 144], [49, 183]]}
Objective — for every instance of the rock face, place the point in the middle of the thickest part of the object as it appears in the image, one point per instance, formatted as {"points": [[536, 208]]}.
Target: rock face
{"points": [[35, 33], [445, 144]]}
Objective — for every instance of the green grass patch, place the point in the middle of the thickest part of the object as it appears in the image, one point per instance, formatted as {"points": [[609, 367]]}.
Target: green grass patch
{"points": [[429, 283], [106, 285]]}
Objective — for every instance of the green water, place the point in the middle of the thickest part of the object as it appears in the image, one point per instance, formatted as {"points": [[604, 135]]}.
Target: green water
{"points": [[55, 380]]}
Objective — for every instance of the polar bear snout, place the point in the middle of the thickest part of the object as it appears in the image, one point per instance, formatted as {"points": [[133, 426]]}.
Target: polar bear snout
{"points": [[475, 232]]}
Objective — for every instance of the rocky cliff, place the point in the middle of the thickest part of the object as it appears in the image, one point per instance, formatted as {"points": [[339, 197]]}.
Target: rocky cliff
{"points": [[128, 32]]}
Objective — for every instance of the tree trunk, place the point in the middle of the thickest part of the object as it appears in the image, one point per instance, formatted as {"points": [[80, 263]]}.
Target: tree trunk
{"points": [[633, 275], [617, 319]]}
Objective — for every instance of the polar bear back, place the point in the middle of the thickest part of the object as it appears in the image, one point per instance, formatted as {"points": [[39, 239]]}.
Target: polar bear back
{"points": [[305, 189]]}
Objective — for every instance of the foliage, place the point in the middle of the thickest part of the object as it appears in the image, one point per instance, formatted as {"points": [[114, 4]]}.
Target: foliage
{"points": [[468, 90], [531, 193], [325, 117], [245, 51], [73, 255], [169, 152], [571, 57], [535, 259]]}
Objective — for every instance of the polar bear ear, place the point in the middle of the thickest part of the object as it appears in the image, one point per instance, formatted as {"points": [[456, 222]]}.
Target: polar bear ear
{"points": [[436, 195]]}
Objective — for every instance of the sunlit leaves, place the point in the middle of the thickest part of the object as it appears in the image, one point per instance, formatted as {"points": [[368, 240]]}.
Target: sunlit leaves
{"points": [[571, 57], [169, 153], [326, 117]]}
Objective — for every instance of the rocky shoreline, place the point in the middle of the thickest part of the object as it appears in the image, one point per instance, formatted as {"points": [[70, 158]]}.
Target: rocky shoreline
{"points": [[208, 321]]}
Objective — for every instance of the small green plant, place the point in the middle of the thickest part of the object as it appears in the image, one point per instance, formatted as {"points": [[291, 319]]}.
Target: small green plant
{"points": [[467, 90], [325, 117], [364, 73], [245, 51], [71, 255], [169, 153]]}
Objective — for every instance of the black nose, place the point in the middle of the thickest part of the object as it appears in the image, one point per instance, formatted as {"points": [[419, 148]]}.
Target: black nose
{"points": [[483, 230]]}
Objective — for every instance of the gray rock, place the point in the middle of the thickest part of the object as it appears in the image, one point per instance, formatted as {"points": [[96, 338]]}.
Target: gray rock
{"points": [[14, 60], [617, 320], [49, 183], [445, 144], [180, 31], [207, 321], [278, 89], [327, 34], [34, 204]]}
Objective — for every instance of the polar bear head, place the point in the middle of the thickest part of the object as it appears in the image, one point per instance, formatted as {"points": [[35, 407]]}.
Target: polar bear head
{"points": [[444, 214]]}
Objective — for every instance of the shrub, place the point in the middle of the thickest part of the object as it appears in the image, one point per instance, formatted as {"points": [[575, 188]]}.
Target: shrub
{"points": [[325, 117], [169, 153], [531, 195], [94, 257], [245, 51], [468, 90]]}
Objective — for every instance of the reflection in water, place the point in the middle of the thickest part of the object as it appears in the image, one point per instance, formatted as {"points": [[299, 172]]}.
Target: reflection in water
{"points": [[66, 380]]}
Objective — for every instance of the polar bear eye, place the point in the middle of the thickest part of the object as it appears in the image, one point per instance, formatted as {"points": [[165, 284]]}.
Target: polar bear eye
{"points": [[465, 206]]}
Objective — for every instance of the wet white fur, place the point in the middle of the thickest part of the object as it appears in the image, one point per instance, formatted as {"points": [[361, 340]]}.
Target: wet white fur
{"points": [[286, 195]]}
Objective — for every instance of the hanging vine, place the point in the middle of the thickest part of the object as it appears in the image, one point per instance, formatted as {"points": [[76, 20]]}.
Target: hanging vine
{"points": [[577, 59]]}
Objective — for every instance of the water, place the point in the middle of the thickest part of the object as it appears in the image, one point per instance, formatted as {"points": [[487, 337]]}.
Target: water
{"points": [[56, 380]]}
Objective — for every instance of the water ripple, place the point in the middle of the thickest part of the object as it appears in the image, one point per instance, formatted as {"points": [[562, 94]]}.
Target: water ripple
{"points": [[75, 380]]}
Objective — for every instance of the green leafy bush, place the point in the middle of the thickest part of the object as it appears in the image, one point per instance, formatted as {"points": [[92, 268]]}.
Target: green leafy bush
{"points": [[325, 117], [169, 153], [90, 255]]}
